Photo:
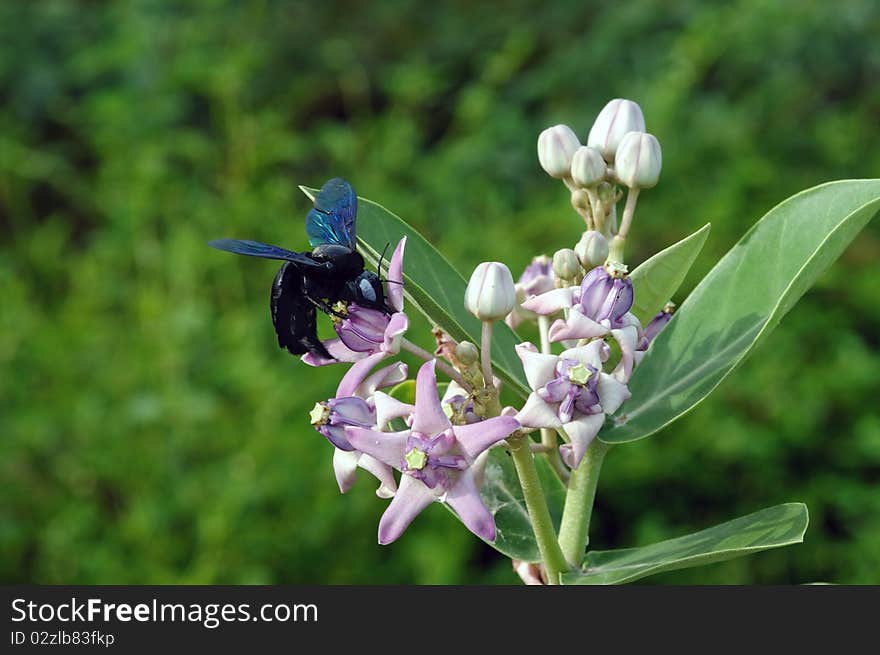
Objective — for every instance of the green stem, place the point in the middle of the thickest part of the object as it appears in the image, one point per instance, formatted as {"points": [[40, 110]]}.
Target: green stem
{"points": [[542, 524], [548, 437], [421, 353], [597, 210], [575, 528], [486, 355]]}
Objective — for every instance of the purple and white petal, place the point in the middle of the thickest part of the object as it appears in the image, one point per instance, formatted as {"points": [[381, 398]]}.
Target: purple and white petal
{"points": [[388, 376], [539, 368], [576, 326], [656, 325], [593, 354], [339, 351], [363, 329], [629, 319], [538, 414], [397, 325], [345, 467], [394, 291], [429, 417], [387, 447], [612, 393], [464, 498], [581, 433], [382, 472], [552, 301], [478, 468], [453, 390], [388, 409], [477, 437], [352, 381], [411, 498], [627, 338]]}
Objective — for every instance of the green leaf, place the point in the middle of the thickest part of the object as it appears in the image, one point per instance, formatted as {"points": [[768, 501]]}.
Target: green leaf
{"points": [[773, 527], [503, 496], [656, 280], [405, 392], [740, 301], [434, 287]]}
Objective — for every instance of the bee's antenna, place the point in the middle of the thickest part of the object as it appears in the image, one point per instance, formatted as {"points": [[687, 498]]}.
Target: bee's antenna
{"points": [[379, 267], [394, 282]]}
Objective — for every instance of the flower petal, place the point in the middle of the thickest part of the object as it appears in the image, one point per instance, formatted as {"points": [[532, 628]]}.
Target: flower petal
{"points": [[593, 354], [629, 319], [411, 498], [397, 325], [478, 468], [539, 368], [453, 389], [612, 393], [538, 414], [429, 417], [339, 351], [528, 572], [345, 467], [477, 437], [388, 408], [394, 292], [355, 376], [627, 338], [464, 498], [387, 447], [385, 377], [576, 326], [382, 472], [580, 433], [552, 301]]}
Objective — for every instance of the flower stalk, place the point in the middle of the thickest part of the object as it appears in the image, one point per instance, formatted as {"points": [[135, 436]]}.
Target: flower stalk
{"points": [[575, 526], [424, 355], [536, 504]]}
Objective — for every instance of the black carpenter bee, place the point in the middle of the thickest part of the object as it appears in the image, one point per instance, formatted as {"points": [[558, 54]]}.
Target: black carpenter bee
{"points": [[332, 272]]}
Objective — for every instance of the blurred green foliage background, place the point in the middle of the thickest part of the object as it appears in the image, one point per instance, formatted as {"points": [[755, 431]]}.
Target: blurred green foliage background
{"points": [[150, 429]]}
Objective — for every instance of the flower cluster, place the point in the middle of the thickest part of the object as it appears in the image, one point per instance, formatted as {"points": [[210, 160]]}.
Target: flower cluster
{"points": [[434, 448]]}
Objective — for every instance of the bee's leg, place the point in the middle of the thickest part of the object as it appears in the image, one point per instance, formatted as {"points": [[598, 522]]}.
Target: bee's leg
{"points": [[324, 307]]}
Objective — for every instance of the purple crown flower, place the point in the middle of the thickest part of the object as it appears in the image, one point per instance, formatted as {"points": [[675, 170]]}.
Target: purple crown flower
{"points": [[438, 461], [570, 392], [598, 307], [358, 402]]}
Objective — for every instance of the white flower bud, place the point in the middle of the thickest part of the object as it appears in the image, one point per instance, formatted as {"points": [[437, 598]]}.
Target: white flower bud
{"points": [[592, 249], [566, 265], [490, 294], [467, 353], [556, 147], [616, 119], [587, 166], [639, 160]]}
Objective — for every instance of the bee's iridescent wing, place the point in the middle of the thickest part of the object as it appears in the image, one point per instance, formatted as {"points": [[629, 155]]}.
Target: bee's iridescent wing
{"points": [[264, 250], [333, 218]]}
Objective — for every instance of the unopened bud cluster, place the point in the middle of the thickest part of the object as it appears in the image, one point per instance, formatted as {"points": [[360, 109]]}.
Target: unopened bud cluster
{"points": [[619, 152]]}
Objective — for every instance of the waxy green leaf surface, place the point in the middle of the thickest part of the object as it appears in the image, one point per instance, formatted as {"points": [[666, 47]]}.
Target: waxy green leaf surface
{"points": [[740, 301], [773, 527], [657, 279], [504, 498]]}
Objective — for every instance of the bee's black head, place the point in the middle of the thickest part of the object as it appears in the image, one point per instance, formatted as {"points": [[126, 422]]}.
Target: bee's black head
{"points": [[367, 291]]}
